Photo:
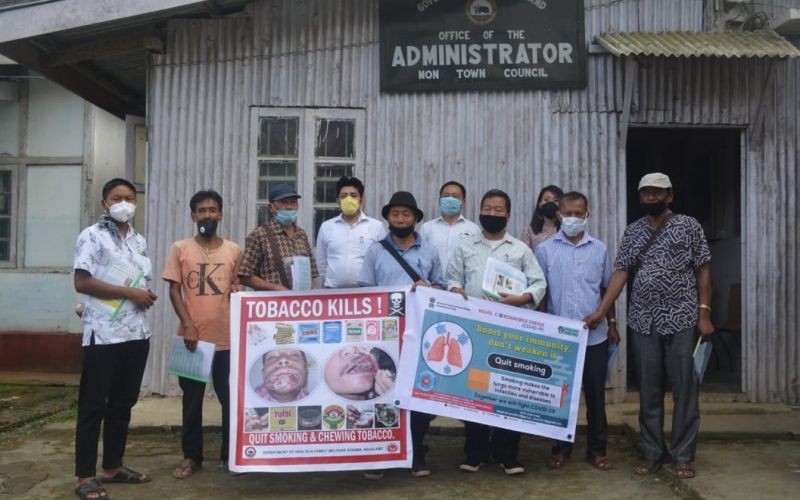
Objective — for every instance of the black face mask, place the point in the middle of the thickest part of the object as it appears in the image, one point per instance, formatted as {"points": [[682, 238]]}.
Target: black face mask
{"points": [[654, 209], [207, 227], [401, 232], [493, 223], [549, 209]]}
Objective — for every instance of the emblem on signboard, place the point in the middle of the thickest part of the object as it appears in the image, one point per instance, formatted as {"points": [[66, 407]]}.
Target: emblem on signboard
{"points": [[481, 12]]}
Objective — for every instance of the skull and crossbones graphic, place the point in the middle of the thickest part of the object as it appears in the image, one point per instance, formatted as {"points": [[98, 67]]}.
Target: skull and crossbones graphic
{"points": [[397, 304]]}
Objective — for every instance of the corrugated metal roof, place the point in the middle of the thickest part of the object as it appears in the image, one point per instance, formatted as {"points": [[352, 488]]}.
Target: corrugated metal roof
{"points": [[765, 43]]}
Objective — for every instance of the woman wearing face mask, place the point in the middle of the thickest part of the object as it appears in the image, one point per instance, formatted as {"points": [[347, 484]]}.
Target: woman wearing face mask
{"points": [[544, 222], [112, 268]]}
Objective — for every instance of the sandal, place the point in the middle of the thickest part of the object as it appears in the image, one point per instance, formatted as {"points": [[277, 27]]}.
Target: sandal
{"points": [[126, 475], [556, 461], [600, 462], [648, 467], [185, 469], [684, 470], [91, 490]]}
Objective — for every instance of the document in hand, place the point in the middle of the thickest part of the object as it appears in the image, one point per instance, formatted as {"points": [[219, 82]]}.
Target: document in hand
{"points": [[702, 353], [613, 350], [301, 273], [116, 273], [192, 365], [500, 277]]}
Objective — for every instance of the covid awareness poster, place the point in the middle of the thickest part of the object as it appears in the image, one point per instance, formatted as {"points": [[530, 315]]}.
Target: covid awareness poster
{"points": [[490, 363], [313, 381]]}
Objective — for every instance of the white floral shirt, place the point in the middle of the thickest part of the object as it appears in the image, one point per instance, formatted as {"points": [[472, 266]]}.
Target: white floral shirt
{"points": [[98, 246]]}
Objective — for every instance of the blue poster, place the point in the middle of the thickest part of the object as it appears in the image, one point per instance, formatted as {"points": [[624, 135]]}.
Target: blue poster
{"points": [[490, 363]]}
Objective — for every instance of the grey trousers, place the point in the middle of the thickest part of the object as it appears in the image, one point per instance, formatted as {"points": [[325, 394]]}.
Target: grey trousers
{"points": [[670, 355]]}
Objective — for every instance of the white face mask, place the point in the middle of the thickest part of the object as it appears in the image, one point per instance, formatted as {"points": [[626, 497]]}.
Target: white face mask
{"points": [[122, 211], [573, 226]]}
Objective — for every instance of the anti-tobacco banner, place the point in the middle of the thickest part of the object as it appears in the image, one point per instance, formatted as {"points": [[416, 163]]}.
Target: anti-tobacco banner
{"points": [[481, 44], [492, 364], [313, 381]]}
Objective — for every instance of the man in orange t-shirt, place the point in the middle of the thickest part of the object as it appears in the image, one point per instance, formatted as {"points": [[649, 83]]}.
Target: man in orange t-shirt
{"points": [[202, 273]]}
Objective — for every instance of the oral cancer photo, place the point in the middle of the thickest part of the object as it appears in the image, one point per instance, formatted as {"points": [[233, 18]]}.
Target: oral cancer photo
{"points": [[360, 372], [284, 375]]}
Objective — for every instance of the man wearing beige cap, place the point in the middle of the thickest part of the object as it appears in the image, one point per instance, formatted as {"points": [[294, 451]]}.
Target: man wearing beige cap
{"points": [[667, 257]]}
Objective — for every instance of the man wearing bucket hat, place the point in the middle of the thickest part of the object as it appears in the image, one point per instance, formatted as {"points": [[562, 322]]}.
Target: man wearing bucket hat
{"points": [[271, 247], [403, 258], [666, 257]]}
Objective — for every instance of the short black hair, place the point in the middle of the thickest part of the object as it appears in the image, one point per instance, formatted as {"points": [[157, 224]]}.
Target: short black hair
{"points": [[117, 181], [497, 193], [208, 194], [575, 196], [454, 183], [350, 181]]}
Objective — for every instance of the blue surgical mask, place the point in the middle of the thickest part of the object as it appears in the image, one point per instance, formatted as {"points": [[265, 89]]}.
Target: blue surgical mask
{"points": [[573, 226], [286, 217], [449, 205]]}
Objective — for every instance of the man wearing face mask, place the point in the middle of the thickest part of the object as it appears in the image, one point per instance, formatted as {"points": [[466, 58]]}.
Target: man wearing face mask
{"points": [[577, 269], [465, 276], [201, 272], [343, 241], [270, 248], [115, 342], [447, 231], [403, 258], [667, 257]]}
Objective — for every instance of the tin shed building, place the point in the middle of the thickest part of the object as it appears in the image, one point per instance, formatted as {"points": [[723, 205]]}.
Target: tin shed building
{"points": [[280, 90]]}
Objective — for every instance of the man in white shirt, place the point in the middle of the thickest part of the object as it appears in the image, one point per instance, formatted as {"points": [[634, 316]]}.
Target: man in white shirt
{"points": [[446, 232], [343, 241]]}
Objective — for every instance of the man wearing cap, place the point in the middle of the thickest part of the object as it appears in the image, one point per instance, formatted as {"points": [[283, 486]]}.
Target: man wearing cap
{"points": [[381, 268], [343, 240], [666, 256], [447, 231], [271, 247]]}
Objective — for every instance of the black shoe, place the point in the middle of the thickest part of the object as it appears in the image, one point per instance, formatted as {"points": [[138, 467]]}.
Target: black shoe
{"points": [[373, 474], [419, 468], [472, 464], [511, 467]]}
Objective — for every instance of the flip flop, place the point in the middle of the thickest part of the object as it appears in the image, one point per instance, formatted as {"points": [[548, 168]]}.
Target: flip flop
{"points": [[128, 476], [683, 470], [185, 469], [91, 490], [556, 461], [648, 467], [600, 462]]}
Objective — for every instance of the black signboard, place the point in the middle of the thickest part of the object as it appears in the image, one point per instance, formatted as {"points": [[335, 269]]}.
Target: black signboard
{"points": [[481, 44]]}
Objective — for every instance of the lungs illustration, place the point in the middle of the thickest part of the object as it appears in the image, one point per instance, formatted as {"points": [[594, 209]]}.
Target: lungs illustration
{"points": [[436, 353], [453, 352], [437, 350]]}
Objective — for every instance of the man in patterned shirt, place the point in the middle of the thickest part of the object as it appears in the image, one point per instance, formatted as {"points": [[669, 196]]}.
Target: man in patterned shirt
{"points": [[271, 247], [667, 255]]}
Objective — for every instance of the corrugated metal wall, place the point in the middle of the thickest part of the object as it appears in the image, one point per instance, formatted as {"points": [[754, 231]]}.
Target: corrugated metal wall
{"points": [[325, 53]]}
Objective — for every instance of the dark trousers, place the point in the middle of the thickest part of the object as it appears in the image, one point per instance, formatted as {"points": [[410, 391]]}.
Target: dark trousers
{"points": [[420, 423], [110, 381], [671, 355], [594, 391], [193, 395], [483, 440]]}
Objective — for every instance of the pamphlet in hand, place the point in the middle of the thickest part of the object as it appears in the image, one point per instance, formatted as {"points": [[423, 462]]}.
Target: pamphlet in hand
{"points": [[192, 365], [702, 353], [301, 273], [613, 350], [121, 274], [500, 277]]}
